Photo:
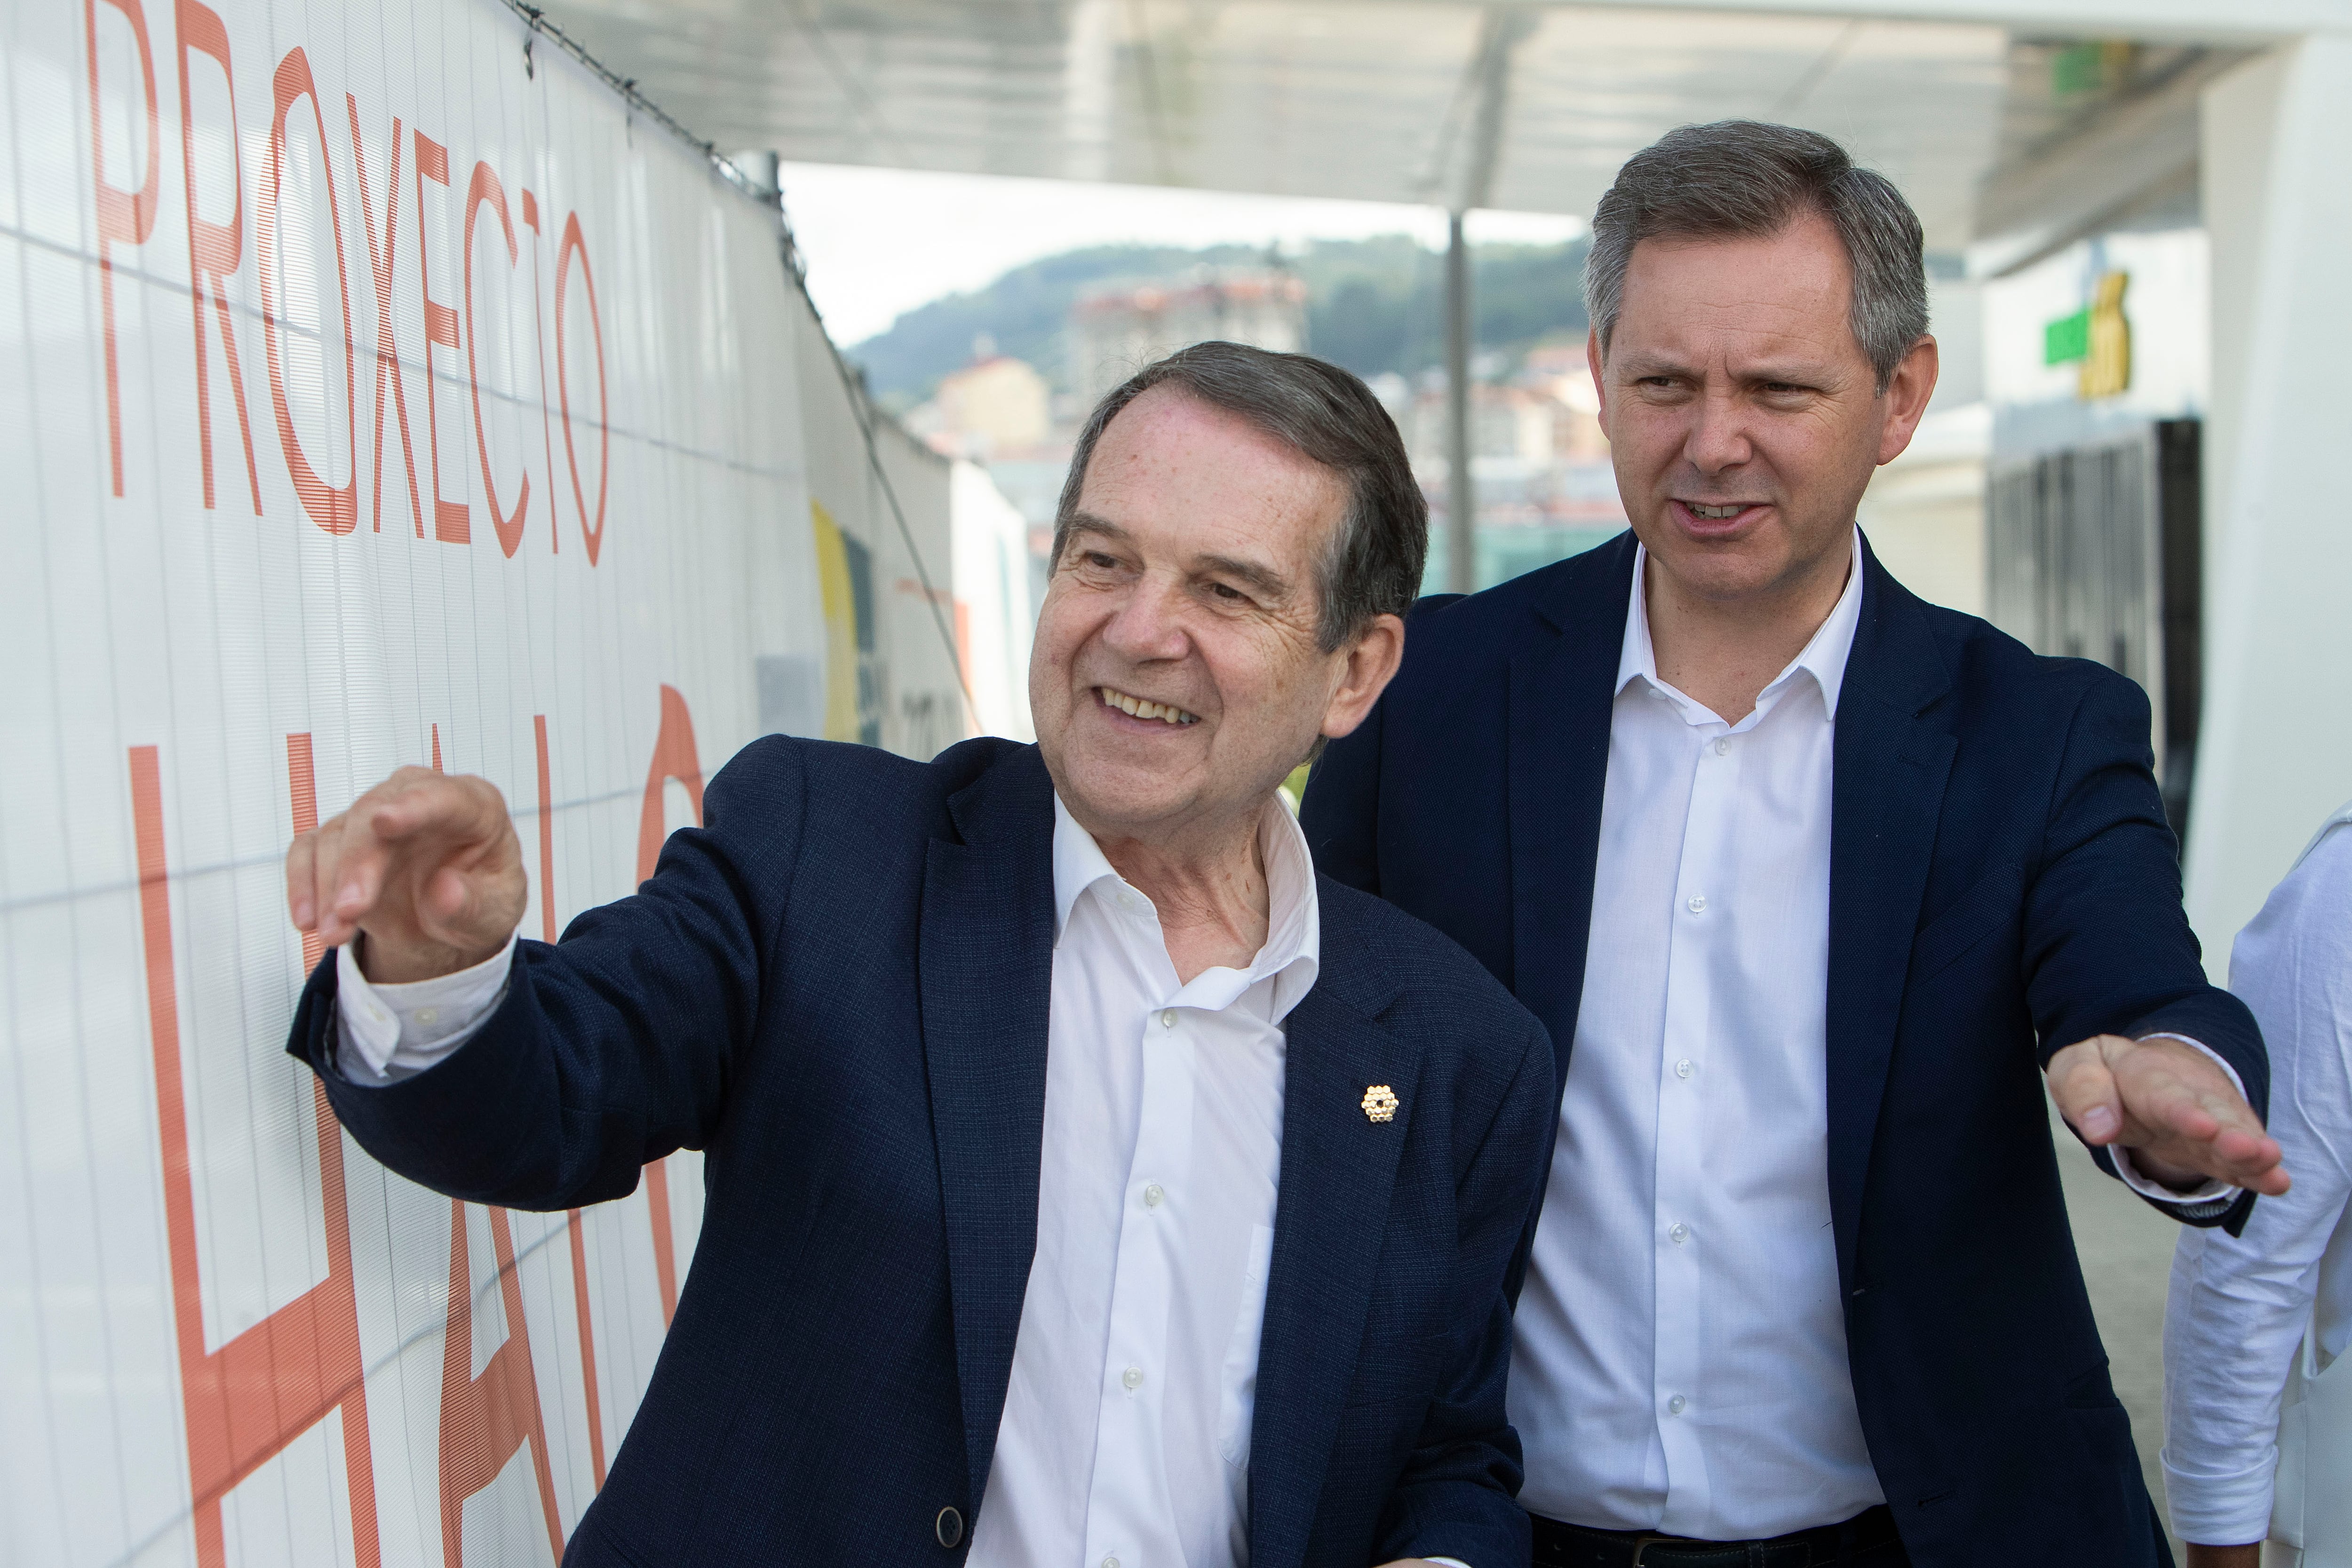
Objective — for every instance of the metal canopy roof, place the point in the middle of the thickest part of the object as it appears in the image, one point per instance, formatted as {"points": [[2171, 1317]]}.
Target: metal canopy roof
{"points": [[1527, 107]]}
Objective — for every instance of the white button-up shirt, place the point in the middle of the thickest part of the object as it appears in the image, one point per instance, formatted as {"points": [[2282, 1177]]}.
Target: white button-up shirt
{"points": [[1679, 1362], [1127, 1427], [1126, 1435], [2240, 1305]]}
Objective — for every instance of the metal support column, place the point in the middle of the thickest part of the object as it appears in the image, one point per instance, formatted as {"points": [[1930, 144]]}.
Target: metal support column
{"points": [[1461, 503]]}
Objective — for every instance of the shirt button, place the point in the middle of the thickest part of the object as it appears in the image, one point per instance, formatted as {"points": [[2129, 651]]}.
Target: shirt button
{"points": [[1683, 1067], [428, 1016], [1722, 747], [1168, 1018], [1698, 904], [1677, 1406], [1110, 1563], [1153, 1194], [1132, 1377], [1680, 1234]]}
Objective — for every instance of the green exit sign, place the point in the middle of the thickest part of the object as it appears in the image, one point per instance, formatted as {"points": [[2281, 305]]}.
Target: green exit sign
{"points": [[2067, 341], [2078, 70]]}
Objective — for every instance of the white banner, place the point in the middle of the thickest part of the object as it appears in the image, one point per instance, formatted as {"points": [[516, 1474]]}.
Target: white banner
{"points": [[378, 388]]}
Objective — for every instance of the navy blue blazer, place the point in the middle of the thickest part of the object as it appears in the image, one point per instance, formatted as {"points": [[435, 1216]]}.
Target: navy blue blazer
{"points": [[2002, 883], [838, 989]]}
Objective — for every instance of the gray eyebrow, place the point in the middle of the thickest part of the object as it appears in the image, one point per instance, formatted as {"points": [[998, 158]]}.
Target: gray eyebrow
{"points": [[1087, 522], [1265, 580], [1653, 363]]}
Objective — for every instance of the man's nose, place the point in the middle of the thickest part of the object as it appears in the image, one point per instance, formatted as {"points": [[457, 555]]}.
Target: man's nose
{"points": [[1718, 434], [1149, 623]]}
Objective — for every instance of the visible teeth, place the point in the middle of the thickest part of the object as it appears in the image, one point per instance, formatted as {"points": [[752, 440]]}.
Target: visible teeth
{"points": [[1714, 514], [1164, 712]]}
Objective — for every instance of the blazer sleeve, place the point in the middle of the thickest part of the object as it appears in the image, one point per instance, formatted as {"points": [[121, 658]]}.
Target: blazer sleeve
{"points": [[611, 1049], [2107, 947], [1457, 1496]]}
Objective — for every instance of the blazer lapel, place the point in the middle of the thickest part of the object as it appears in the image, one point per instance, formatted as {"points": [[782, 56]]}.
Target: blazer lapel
{"points": [[987, 975], [1890, 766], [1339, 1168], [1561, 691]]}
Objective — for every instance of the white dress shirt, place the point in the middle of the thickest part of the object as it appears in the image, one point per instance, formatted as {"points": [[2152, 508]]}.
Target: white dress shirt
{"points": [[1127, 1427], [1679, 1362], [2239, 1306], [1125, 1441]]}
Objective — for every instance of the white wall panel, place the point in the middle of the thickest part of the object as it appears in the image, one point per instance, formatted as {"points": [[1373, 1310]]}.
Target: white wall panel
{"points": [[2272, 757], [391, 394]]}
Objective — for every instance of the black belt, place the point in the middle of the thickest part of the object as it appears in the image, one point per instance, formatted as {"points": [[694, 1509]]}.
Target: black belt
{"points": [[1562, 1545]]}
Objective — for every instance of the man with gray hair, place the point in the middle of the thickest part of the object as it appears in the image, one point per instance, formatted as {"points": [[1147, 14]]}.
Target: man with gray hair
{"points": [[1087, 1183], [1814, 884]]}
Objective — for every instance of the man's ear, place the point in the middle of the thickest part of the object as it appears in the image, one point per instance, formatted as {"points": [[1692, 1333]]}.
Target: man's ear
{"points": [[1907, 392], [1371, 664], [1600, 382]]}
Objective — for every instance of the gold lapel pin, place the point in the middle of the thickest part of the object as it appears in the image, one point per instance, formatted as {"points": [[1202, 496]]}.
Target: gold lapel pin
{"points": [[1380, 1104]]}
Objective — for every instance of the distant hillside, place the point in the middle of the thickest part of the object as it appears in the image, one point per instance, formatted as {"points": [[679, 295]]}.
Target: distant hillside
{"points": [[1373, 304]]}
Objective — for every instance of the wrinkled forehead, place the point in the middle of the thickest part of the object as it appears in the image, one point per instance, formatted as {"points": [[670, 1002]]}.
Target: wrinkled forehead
{"points": [[1787, 292], [1181, 477]]}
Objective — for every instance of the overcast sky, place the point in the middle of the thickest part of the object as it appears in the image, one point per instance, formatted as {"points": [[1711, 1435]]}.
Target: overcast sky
{"points": [[880, 242]]}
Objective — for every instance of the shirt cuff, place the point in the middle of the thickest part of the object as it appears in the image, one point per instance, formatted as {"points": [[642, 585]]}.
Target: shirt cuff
{"points": [[2215, 1195], [390, 1032], [2221, 1510]]}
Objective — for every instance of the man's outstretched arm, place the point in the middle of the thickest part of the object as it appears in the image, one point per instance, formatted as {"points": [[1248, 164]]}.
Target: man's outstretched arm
{"points": [[597, 1056], [2130, 1027]]}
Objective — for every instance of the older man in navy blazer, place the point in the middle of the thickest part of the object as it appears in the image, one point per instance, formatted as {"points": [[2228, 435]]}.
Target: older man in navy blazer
{"points": [[1087, 1183], [1811, 882]]}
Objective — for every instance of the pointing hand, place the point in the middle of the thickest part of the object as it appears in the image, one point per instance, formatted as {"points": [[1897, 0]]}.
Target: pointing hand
{"points": [[427, 865]]}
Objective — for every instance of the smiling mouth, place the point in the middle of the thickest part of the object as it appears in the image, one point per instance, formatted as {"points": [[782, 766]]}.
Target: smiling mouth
{"points": [[1137, 707], [1722, 513]]}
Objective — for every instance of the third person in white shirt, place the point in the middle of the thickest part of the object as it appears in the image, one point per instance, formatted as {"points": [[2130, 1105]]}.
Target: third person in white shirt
{"points": [[2258, 1416]]}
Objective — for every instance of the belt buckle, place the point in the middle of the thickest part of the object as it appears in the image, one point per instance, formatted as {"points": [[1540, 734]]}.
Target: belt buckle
{"points": [[1644, 1545]]}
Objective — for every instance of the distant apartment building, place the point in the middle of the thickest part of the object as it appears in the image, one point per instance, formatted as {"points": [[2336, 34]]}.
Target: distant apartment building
{"points": [[995, 405], [1513, 422], [1545, 414], [1539, 462], [1114, 332]]}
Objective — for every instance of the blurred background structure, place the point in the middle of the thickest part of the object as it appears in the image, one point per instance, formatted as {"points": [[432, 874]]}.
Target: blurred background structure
{"points": [[2136, 219], [2130, 205]]}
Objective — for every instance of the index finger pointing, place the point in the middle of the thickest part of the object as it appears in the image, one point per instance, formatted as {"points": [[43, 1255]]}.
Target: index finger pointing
{"points": [[413, 802]]}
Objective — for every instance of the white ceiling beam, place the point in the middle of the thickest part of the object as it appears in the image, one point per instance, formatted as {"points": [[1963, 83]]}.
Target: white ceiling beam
{"points": [[2229, 23]]}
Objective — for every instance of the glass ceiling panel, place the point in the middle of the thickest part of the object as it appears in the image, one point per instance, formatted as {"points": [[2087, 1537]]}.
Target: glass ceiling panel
{"points": [[1527, 107]]}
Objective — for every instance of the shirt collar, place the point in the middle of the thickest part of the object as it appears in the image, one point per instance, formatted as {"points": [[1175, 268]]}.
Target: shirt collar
{"points": [[1292, 956], [1823, 658]]}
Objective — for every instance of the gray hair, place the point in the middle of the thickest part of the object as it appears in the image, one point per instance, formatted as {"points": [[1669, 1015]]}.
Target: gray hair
{"points": [[1328, 416], [1741, 177]]}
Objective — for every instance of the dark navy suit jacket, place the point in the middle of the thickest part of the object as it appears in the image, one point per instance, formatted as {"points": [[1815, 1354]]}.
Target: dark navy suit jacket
{"points": [[838, 990], [2002, 883]]}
